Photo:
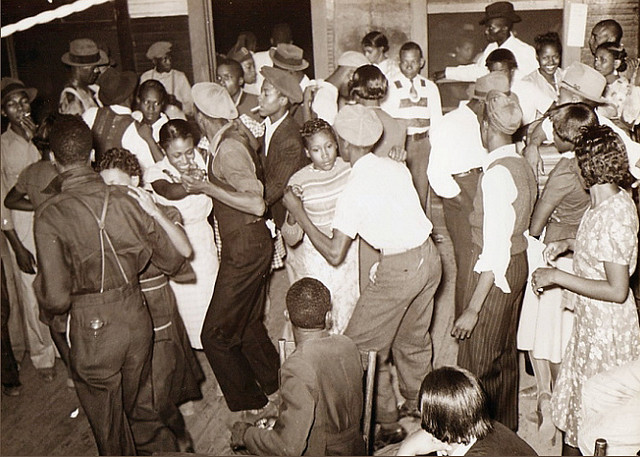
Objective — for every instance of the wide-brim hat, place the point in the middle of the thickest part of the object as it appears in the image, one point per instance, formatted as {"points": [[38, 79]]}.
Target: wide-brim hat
{"points": [[584, 81], [285, 82], [500, 9], [11, 86], [116, 86], [83, 52], [288, 56]]}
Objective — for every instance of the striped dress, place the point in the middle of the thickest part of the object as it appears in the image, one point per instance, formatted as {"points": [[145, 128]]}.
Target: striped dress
{"points": [[320, 192]]}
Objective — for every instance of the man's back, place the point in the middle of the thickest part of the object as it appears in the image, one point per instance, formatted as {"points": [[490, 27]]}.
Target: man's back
{"points": [[322, 399]]}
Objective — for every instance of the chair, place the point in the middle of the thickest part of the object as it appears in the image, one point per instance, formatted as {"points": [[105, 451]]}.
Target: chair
{"points": [[287, 347]]}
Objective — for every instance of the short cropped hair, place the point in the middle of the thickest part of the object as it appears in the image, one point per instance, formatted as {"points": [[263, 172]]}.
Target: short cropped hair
{"points": [[617, 51], [613, 26], [313, 126], [121, 159], [569, 119], [454, 407], [410, 46], [548, 39], [173, 130], [602, 157], [235, 66], [308, 301], [281, 33], [152, 84], [376, 39], [369, 83], [43, 132], [70, 140], [502, 55]]}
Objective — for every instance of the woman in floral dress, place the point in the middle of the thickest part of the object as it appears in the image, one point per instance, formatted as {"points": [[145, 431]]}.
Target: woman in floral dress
{"points": [[606, 333]]}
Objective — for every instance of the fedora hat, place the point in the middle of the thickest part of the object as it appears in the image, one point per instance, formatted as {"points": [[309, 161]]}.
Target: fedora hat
{"points": [[84, 51], [11, 86], [500, 9], [285, 82], [115, 86], [288, 56], [584, 81]]}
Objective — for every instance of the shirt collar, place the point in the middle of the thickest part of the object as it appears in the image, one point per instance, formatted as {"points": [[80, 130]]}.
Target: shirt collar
{"points": [[509, 41], [272, 126], [70, 179], [508, 150], [120, 109]]}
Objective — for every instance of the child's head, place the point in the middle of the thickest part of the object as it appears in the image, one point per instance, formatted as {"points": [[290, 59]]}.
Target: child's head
{"points": [[411, 61], [71, 140], [230, 75], [549, 52], [176, 140], [568, 121], [119, 166], [453, 406], [368, 83], [320, 143], [610, 58], [374, 46], [152, 97], [602, 157], [308, 304]]}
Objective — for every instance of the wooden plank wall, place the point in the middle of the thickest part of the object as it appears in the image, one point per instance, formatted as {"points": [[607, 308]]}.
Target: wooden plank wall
{"points": [[626, 12]]}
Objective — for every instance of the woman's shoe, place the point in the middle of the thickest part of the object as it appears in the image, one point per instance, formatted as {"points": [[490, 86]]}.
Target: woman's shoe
{"points": [[546, 428]]}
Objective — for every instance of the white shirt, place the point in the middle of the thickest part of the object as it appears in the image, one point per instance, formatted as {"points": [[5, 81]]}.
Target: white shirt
{"points": [[421, 111], [498, 194], [388, 67], [633, 148], [325, 101], [176, 83], [525, 57], [535, 94], [157, 125], [380, 203], [269, 129], [260, 59], [456, 147], [131, 140]]}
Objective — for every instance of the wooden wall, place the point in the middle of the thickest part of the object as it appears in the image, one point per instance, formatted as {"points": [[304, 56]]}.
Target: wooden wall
{"points": [[626, 12]]}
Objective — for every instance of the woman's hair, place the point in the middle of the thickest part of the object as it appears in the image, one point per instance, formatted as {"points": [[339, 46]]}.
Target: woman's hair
{"points": [[152, 84], [569, 119], [173, 130], [617, 51], [376, 39], [313, 126], [602, 157], [454, 406], [122, 160], [368, 82], [548, 39]]}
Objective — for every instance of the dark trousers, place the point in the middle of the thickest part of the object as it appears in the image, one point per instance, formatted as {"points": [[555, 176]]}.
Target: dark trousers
{"points": [[111, 337], [490, 353], [234, 337], [456, 218], [418, 152], [10, 376]]}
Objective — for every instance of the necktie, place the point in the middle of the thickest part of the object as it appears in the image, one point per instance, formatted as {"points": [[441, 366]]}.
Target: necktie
{"points": [[413, 93]]}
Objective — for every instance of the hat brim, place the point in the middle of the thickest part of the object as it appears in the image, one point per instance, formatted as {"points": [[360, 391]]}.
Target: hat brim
{"points": [[126, 85], [285, 65], [31, 93], [513, 17], [104, 60], [573, 90]]}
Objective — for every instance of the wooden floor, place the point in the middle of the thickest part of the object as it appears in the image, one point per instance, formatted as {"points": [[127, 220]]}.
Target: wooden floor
{"points": [[41, 420]]}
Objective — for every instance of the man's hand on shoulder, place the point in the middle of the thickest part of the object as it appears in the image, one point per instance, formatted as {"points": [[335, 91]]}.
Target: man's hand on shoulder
{"points": [[237, 434]]}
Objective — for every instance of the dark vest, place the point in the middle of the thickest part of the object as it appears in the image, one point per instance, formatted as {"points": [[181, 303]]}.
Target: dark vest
{"points": [[108, 129], [229, 218], [525, 183]]}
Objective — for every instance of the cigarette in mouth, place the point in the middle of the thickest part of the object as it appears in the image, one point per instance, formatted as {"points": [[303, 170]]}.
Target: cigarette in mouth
{"points": [[255, 109]]}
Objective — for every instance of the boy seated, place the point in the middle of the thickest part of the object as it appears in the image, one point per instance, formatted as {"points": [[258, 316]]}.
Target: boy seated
{"points": [[321, 386]]}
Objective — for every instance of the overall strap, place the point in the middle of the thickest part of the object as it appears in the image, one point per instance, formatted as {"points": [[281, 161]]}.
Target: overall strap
{"points": [[103, 235]]}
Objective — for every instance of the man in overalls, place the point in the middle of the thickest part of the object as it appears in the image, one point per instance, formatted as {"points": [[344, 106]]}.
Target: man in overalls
{"points": [[92, 241]]}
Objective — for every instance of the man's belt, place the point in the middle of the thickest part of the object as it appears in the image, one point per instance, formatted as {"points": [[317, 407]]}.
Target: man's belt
{"points": [[418, 136], [464, 174]]}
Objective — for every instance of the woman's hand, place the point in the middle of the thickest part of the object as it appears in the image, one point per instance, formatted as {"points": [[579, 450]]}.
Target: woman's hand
{"points": [[145, 200], [541, 278], [398, 154], [464, 325], [554, 249], [193, 185]]}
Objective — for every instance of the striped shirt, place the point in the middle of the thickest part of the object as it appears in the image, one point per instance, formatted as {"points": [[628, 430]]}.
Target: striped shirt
{"points": [[421, 110]]}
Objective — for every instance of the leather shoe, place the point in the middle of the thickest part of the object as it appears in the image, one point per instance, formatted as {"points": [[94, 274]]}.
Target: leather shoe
{"points": [[47, 373], [388, 435], [11, 391]]}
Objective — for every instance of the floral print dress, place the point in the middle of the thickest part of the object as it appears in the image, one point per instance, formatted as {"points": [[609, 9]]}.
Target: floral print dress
{"points": [[605, 334]]}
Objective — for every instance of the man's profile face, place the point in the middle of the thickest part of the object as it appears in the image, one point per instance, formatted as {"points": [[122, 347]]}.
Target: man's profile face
{"points": [[270, 99], [600, 34], [496, 30], [88, 73]]}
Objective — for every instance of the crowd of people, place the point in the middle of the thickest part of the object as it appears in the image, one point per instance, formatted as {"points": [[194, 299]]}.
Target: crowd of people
{"points": [[143, 219]]}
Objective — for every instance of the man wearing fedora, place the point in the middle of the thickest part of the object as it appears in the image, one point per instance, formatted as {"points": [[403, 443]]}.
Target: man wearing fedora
{"points": [[173, 80], [580, 83], [233, 336], [17, 152], [112, 124], [84, 59], [498, 22]]}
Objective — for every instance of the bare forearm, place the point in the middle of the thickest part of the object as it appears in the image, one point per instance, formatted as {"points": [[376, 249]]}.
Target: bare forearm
{"points": [[176, 235], [481, 291], [325, 245], [14, 241], [17, 200], [593, 288]]}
